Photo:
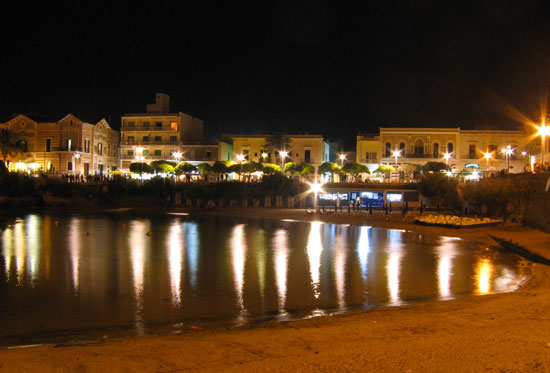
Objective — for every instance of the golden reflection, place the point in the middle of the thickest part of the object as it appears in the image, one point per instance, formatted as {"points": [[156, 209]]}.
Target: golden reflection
{"points": [[363, 249], [314, 251], [261, 261], [74, 250], [7, 245], [445, 256], [137, 243], [238, 254], [175, 260], [20, 253], [280, 243], [393, 267], [483, 276], [340, 255], [33, 246]]}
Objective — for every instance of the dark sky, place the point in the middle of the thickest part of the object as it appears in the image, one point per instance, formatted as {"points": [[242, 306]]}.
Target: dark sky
{"points": [[334, 68]]}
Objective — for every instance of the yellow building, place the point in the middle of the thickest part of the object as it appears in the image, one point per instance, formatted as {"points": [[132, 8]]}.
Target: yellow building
{"points": [[157, 134], [68, 146], [310, 149], [454, 146]]}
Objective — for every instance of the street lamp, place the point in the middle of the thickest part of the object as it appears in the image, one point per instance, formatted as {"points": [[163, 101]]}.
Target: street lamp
{"points": [[508, 151], [488, 156], [315, 188], [447, 156], [342, 158], [177, 156], [240, 158], [264, 156], [396, 153], [283, 154], [543, 132]]}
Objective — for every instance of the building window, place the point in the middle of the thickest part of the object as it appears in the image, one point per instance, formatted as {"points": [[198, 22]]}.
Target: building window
{"points": [[419, 148], [370, 157], [174, 126], [48, 145], [131, 124], [158, 124], [472, 152], [387, 152], [131, 139], [307, 156], [69, 166], [173, 138], [130, 152], [450, 147], [208, 154], [436, 150], [100, 148], [145, 139], [86, 169], [158, 138], [246, 154], [87, 145], [69, 144], [146, 124], [158, 153], [146, 152], [402, 149]]}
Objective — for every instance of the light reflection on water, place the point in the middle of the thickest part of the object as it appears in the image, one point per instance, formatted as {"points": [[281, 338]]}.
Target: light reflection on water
{"points": [[81, 272]]}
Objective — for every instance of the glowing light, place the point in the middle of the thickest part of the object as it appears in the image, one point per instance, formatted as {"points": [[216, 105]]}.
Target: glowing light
{"points": [[340, 255], [7, 245], [483, 276], [139, 150], [445, 255], [33, 166], [363, 249], [192, 249], [280, 243], [264, 155], [20, 253], [77, 155], [20, 166], [283, 154], [314, 250], [238, 254], [175, 260], [137, 243], [74, 250], [240, 157], [176, 155], [393, 267], [316, 187]]}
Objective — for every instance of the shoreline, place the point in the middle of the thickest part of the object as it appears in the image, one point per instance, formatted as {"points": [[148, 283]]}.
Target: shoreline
{"points": [[496, 331]]}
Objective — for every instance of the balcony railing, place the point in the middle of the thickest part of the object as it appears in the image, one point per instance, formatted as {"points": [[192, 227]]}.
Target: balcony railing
{"points": [[150, 142], [151, 128], [66, 149]]}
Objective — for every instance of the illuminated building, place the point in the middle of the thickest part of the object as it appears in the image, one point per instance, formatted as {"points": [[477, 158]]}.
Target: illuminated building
{"points": [[464, 147], [66, 146]]}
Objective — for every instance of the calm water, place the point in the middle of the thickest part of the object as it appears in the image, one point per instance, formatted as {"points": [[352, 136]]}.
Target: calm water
{"points": [[80, 276]]}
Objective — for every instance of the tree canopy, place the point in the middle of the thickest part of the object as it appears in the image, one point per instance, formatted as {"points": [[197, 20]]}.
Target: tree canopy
{"points": [[435, 167], [10, 141]]}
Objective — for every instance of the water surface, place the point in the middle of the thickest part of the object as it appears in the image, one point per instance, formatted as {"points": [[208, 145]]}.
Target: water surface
{"points": [[81, 276]]}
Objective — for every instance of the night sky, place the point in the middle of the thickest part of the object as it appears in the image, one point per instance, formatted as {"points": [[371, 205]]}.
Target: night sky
{"points": [[322, 67]]}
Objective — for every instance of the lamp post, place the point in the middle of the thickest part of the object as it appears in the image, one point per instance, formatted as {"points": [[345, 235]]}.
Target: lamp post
{"points": [[264, 156], [488, 155], [283, 154], [508, 151], [342, 159], [315, 188], [543, 132], [240, 158], [177, 156], [396, 153], [447, 156]]}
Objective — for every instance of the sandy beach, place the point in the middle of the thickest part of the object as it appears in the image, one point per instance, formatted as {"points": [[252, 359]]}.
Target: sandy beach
{"points": [[501, 332]]}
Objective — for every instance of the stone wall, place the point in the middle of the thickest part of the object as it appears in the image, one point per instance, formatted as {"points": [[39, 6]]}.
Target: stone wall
{"points": [[537, 211]]}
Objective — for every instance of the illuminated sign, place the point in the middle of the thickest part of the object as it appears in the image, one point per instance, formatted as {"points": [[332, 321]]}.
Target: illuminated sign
{"points": [[475, 165], [394, 197], [333, 196]]}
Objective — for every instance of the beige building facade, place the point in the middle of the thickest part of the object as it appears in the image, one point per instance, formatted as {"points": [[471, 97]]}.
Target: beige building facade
{"points": [[459, 148], [310, 149], [157, 134], [67, 146]]}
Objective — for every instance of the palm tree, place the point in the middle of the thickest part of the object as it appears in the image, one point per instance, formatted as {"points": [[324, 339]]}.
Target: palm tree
{"points": [[10, 142], [277, 142]]}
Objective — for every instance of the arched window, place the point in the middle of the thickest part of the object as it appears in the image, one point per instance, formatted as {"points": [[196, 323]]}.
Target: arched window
{"points": [[419, 148], [402, 148], [387, 152], [450, 147], [436, 150]]}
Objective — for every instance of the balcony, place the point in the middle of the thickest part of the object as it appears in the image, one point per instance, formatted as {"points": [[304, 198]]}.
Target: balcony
{"points": [[150, 142], [65, 149], [419, 156], [149, 128]]}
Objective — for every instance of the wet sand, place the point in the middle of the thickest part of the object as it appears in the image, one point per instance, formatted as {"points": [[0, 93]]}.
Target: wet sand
{"points": [[501, 332]]}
